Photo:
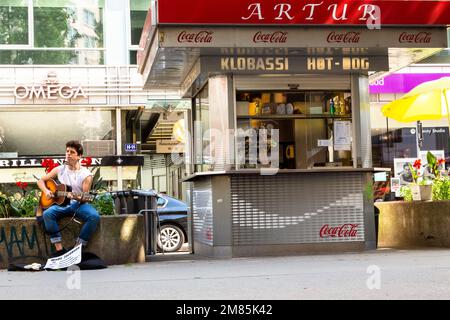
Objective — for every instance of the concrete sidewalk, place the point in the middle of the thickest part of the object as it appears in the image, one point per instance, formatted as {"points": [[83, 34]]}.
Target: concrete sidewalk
{"points": [[400, 274]]}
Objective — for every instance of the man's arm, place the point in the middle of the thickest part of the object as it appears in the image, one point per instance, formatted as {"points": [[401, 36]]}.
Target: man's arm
{"points": [[87, 184], [41, 183]]}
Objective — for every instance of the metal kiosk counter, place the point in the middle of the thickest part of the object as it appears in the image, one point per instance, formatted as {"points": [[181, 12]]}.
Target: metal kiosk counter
{"points": [[244, 213]]}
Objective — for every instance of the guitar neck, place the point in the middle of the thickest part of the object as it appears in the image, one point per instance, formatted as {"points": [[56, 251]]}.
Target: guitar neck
{"points": [[62, 193], [86, 195], [66, 193]]}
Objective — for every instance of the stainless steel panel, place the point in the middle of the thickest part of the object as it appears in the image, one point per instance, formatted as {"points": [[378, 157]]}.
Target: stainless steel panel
{"points": [[202, 211], [362, 143], [292, 209]]}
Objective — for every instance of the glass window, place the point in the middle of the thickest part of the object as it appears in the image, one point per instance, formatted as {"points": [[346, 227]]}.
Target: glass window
{"points": [[20, 132], [89, 18], [202, 139], [161, 202], [89, 42], [138, 13], [133, 56], [14, 22], [67, 24], [87, 57], [401, 142], [307, 128], [57, 24]]}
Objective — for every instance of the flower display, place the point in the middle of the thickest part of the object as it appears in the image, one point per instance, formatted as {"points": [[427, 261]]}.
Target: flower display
{"points": [[22, 185], [431, 176], [434, 165], [415, 170], [49, 165], [86, 162]]}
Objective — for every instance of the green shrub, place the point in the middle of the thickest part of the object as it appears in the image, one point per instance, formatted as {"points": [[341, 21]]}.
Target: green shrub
{"points": [[5, 207], [104, 204], [24, 205], [441, 189], [20, 204], [406, 193]]}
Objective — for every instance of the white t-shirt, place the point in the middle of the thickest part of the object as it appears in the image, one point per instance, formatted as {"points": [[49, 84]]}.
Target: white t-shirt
{"points": [[73, 178]]}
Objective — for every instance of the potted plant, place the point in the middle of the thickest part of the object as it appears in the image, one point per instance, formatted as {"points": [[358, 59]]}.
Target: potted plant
{"points": [[431, 184], [420, 191]]}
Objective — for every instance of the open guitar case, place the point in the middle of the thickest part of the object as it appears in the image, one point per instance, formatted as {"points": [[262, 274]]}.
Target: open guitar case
{"points": [[89, 261]]}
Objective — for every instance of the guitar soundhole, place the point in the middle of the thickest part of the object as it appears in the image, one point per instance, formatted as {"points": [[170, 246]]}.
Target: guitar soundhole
{"points": [[63, 199]]}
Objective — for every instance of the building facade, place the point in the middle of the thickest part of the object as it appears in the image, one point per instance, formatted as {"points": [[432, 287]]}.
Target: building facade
{"points": [[68, 71]]}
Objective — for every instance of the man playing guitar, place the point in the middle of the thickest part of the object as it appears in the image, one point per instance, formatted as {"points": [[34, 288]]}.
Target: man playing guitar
{"points": [[80, 180]]}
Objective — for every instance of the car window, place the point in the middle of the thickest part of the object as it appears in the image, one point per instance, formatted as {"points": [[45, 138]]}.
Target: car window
{"points": [[161, 202]]}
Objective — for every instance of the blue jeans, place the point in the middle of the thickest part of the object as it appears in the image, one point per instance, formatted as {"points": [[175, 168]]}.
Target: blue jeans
{"points": [[85, 213]]}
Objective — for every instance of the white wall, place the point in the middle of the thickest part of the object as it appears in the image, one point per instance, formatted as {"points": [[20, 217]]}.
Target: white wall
{"points": [[115, 32]]}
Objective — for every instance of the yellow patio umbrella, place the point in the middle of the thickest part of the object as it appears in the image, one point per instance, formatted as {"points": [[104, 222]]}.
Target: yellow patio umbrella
{"points": [[427, 101]]}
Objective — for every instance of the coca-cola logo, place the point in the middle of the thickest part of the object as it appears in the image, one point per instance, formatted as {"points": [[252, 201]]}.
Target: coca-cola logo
{"points": [[198, 37], [421, 37], [342, 231], [343, 37], [274, 37]]}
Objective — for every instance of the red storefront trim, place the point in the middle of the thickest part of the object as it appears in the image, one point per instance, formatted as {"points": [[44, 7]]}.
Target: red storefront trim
{"points": [[294, 12]]}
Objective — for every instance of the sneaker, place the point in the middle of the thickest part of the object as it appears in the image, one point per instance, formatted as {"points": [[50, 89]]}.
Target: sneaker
{"points": [[58, 253]]}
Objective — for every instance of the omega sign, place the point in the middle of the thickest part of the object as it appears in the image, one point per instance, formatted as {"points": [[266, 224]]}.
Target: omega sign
{"points": [[50, 89]]}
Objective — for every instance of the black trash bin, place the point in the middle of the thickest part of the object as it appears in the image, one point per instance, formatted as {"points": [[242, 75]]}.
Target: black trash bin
{"points": [[140, 202], [145, 202], [123, 202]]}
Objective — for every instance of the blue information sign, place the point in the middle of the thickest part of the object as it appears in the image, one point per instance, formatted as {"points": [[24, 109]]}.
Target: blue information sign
{"points": [[130, 147]]}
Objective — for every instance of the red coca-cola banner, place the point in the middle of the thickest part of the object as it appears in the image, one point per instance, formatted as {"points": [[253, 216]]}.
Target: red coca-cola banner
{"points": [[348, 230], [294, 12]]}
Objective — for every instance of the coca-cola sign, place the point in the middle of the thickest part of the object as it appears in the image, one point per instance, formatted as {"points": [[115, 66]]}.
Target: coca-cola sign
{"points": [[195, 37], [342, 231], [343, 37], [271, 37], [420, 37]]}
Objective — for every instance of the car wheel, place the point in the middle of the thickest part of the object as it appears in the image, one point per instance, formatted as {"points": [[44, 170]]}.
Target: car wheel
{"points": [[170, 238]]}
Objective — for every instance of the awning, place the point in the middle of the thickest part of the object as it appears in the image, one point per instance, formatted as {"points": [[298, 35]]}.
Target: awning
{"points": [[173, 59], [173, 41]]}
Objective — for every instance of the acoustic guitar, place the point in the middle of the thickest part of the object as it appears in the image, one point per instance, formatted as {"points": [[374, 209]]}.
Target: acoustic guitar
{"points": [[61, 194]]}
